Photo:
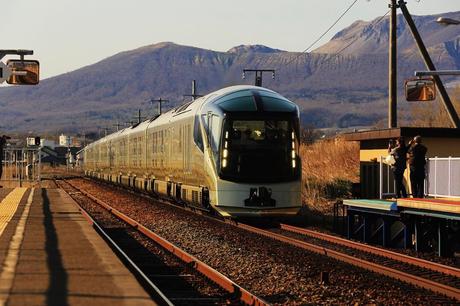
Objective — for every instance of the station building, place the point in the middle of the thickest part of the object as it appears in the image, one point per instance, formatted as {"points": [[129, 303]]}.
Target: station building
{"points": [[432, 223]]}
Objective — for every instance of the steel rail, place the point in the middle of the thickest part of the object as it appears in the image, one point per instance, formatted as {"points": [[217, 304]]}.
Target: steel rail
{"points": [[160, 297], [212, 274], [361, 263], [393, 273], [375, 250]]}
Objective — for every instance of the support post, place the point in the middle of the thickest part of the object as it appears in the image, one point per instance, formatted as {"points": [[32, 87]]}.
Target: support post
{"points": [[442, 238], [365, 228], [385, 232], [392, 75], [419, 237], [350, 219], [430, 66]]}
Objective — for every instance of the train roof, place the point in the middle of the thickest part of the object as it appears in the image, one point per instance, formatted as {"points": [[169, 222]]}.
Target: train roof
{"points": [[184, 110]]}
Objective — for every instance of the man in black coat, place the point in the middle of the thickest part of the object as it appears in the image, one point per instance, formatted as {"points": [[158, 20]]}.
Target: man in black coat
{"points": [[417, 162], [399, 153]]}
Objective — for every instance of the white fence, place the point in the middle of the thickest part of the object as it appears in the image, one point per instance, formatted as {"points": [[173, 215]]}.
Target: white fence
{"points": [[442, 178], [21, 164]]}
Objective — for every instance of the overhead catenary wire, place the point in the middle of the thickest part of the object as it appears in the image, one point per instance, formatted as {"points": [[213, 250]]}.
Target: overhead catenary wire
{"points": [[324, 33], [335, 55]]}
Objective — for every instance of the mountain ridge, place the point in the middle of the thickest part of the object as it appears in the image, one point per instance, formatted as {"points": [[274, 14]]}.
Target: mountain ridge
{"points": [[333, 90]]}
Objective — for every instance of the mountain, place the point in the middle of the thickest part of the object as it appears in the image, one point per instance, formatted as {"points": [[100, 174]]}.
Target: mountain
{"points": [[333, 90], [372, 37]]}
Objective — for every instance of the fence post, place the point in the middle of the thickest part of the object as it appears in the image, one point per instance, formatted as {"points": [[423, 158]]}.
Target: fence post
{"points": [[450, 177], [381, 178], [435, 176]]}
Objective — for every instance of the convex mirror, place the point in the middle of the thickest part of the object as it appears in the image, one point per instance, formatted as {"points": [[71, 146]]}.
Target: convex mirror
{"points": [[420, 89], [24, 72]]}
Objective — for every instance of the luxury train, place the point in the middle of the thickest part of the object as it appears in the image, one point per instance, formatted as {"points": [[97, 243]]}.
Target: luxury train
{"points": [[235, 151]]}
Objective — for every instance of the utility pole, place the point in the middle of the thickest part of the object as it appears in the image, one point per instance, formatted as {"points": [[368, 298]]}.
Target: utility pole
{"points": [[117, 125], [105, 129], [194, 94], [392, 75], [160, 102], [430, 66], [139, 118], [258, 75]]}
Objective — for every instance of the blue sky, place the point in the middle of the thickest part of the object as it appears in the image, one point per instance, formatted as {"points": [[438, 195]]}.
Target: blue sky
{"points": [[66, 35]]}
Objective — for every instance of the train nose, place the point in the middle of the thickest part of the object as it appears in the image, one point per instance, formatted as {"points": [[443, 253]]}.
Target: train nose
{"points": [[261, 197]]}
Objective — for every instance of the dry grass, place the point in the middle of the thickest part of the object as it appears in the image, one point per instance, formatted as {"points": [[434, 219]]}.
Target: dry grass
{"points": [[329, 168]]}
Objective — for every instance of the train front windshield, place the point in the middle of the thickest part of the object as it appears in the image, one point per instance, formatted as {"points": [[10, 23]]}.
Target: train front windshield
{"points": [[259, 151]]}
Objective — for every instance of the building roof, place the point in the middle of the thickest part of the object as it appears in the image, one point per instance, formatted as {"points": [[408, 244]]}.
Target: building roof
{"points": [[402, 132]]}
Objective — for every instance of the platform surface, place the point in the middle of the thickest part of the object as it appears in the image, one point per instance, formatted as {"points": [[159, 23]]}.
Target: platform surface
{"points": [[441, 205], [50, 255], [386, 205]]}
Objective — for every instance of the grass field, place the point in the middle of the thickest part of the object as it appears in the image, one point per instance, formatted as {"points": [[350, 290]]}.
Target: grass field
{"points": [[329, 167]]}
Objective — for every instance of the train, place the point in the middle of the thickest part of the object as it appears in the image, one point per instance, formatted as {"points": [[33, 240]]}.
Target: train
{"points": [[234, 151]]}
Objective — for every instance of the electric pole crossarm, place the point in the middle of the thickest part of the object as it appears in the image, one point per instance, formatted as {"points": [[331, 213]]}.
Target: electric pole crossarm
{"points": [[430, 66], [160, 103], [258, 75]]}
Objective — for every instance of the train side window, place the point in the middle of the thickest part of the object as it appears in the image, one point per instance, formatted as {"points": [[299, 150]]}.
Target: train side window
{"points": [[197, 137]]}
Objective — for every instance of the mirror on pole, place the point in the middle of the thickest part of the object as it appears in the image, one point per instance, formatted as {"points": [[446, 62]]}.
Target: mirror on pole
{"points": [[24, 72], [420, 89]]}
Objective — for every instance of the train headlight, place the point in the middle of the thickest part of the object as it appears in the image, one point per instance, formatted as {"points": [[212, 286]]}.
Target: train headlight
{"points": [[293, 155], [224, 163], [225, 153]]}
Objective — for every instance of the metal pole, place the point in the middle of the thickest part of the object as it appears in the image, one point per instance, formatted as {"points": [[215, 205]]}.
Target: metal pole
{"points": [[450, 175], [39, 165], [430, 66], [381, 178], [392, 75]]}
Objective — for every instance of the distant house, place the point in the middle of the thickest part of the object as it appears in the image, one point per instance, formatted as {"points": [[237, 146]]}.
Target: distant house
{"points": [[58, 155]]}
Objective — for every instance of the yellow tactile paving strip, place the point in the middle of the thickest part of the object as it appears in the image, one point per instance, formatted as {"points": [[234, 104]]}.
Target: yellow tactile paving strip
{"points": [[9, 205]]}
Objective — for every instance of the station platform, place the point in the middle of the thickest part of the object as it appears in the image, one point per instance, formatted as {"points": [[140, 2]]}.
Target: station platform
{"points": [[51, 255], [428, 224]]}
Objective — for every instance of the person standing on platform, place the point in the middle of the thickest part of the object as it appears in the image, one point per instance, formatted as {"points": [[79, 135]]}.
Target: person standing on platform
{"points": [[417, 161], [399, 153]]}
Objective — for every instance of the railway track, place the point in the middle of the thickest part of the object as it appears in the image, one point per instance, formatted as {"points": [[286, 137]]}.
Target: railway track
{"points": [[394, 273], [169, 284], [406, 259], [432, 276]]}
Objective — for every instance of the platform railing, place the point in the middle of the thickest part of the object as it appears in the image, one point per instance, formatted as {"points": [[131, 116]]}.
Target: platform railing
{"points": [[387, 186], [443, 177], [21, 164]]}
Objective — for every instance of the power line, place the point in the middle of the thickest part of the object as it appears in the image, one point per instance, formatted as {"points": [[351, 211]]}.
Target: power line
{"points": [[324, 34], [335, 55], [354, 40]]}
